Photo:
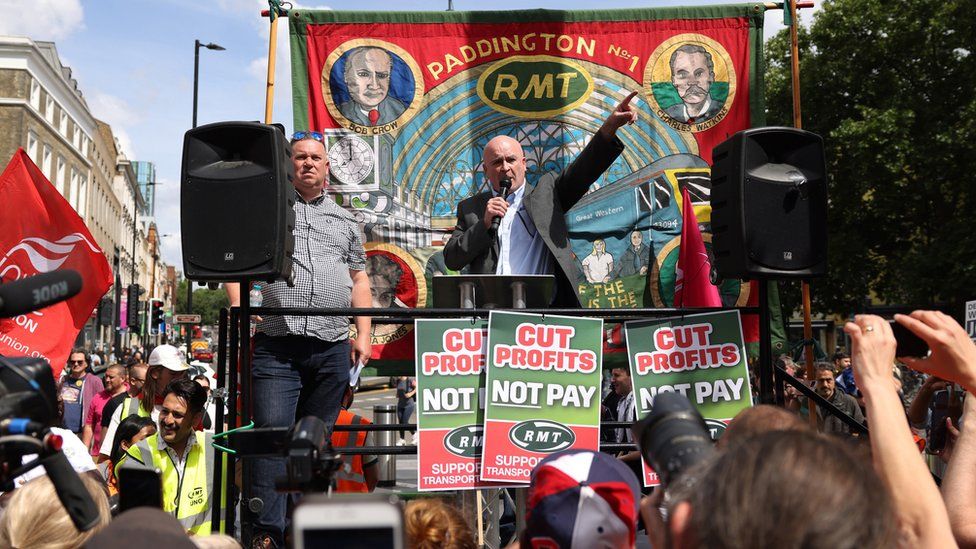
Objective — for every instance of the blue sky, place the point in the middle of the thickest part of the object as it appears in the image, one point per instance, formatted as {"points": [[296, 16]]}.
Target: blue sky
{"points": [[134, 63]]}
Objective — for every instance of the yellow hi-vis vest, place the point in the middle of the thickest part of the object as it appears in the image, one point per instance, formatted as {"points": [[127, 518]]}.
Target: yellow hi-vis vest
{"points": [[131, 406], [188, 496]]}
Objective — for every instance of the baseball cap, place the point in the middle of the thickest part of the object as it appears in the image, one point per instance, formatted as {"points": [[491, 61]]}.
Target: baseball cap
{"points": [[168, 357], [581, 498]]}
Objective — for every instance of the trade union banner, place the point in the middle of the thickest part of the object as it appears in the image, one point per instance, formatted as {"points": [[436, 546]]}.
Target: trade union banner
{"points": [[43, 233], [700, 356], [543, 390], [450, 403], [408, 101]]}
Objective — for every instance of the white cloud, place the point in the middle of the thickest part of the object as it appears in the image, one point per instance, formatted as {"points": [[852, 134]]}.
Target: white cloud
{"points": [[42, 19], [120, 115], [168, 220], [774, 19], [114, 110], [125, 142]]}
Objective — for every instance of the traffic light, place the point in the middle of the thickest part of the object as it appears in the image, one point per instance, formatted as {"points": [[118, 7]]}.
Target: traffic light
{"points": [[132, 308], [156, 316], [105, 310]]}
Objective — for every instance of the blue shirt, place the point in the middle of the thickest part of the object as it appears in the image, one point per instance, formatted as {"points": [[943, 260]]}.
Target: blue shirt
{"points": [[521, 249]]}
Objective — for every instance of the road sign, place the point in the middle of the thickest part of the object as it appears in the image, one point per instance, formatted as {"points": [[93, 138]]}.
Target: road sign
{"points": [[971, 319], [187, 319]]}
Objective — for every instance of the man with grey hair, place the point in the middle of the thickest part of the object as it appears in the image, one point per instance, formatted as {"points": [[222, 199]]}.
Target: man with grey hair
{"points": [[692, 74], [367, 76]]}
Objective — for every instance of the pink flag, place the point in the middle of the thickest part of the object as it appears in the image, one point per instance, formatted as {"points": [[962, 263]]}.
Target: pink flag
{"points": [[40, 232], [692, 287]]}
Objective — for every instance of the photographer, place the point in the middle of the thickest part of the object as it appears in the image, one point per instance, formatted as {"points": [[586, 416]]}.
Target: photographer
{"points": [[952, 358], [35, 517], [182, 454], [922, 517], [782, 489]]}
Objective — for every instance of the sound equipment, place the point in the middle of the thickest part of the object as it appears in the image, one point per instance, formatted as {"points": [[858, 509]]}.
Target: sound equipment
{"points": [[769, 205], [236, 203]]}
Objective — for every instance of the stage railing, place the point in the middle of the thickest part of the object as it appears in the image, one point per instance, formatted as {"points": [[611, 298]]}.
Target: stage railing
{"points": [[233, 370]]}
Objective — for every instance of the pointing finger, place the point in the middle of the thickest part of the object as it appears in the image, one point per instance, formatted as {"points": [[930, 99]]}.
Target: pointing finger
{"points": [[625, 104]]}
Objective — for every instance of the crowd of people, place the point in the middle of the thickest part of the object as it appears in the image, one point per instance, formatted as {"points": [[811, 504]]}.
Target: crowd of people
{"points": [[773, 479]]}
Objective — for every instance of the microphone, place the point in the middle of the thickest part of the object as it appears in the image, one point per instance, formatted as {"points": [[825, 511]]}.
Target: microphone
{"points": [[504, 186], [38, 291]]}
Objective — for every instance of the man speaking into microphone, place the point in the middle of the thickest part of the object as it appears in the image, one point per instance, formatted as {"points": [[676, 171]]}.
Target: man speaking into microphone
{"points": [[519, 230]]}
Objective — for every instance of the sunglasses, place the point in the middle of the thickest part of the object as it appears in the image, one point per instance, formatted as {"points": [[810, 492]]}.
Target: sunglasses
{"points": [[76, 362], [298, 136]]}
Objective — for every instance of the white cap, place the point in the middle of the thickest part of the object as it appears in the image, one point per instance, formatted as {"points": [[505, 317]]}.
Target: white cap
{"points": [[168, 357]]}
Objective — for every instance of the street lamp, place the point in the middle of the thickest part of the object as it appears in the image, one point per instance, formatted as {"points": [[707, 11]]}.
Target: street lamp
{"points": [[196, 84], [196, 70]]}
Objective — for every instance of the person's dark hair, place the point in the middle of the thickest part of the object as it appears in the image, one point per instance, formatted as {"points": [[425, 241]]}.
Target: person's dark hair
{"points": [[824, 366], [190, 391], [840, 355], [83, 352], [789, 489], [127, 429], [198, 377]]}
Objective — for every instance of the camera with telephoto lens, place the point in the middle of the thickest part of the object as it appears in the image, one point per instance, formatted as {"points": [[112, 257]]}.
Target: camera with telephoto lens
{"points": [[309, 459], [673, 437], [29, 403], [28, 410]]}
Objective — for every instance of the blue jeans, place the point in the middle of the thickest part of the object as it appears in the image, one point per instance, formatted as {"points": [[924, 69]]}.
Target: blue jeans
{"points": [[292, 377]]}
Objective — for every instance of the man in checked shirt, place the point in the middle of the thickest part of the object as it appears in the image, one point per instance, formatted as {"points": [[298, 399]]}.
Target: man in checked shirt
{"points": [[301, 363]]}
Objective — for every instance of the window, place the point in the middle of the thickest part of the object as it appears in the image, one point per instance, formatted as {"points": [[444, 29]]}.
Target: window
{"points": [[75, 183], [35, 95], [63, 126], [82, 194], [46, 165], [77, 137], [32, 146], [49, 111], [59, 180]]}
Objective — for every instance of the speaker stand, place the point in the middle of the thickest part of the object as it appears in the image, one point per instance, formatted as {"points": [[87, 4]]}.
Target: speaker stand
{"points": [[765, 346]]}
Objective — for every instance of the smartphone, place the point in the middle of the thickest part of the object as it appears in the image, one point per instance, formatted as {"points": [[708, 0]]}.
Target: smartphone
{"points": [[139, 486], [909, 344], [374, 522], [945, 403]]}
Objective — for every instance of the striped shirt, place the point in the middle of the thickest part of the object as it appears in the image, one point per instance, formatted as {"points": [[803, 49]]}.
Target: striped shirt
{"points": [[328, 245]]}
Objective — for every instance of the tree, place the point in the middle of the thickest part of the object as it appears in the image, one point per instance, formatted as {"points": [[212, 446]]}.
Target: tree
{"points": [[890, 88], [206, 303]]}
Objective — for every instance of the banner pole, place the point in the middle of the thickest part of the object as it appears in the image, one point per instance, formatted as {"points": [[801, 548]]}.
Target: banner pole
{"points": [[272, 47], [798, 124]]}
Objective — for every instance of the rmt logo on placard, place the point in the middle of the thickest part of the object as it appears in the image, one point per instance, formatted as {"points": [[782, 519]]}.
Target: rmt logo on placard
{"points": [[540, 436], [465, 441]]}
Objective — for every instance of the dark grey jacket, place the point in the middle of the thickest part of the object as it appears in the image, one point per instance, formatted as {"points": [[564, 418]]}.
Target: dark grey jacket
{"points": [[547, 204]]}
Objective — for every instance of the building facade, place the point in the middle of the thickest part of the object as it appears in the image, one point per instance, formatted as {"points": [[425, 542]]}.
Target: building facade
{"points": [[43, 111]]}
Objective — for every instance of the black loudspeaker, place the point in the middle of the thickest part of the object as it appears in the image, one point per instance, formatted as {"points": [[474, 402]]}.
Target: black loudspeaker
{"points": [[769, 205], [237, 203]]}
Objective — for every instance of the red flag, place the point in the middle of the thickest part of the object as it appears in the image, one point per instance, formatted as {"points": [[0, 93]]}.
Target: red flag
{"points": [[40, 232], [750, 323], [692, 287]]}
